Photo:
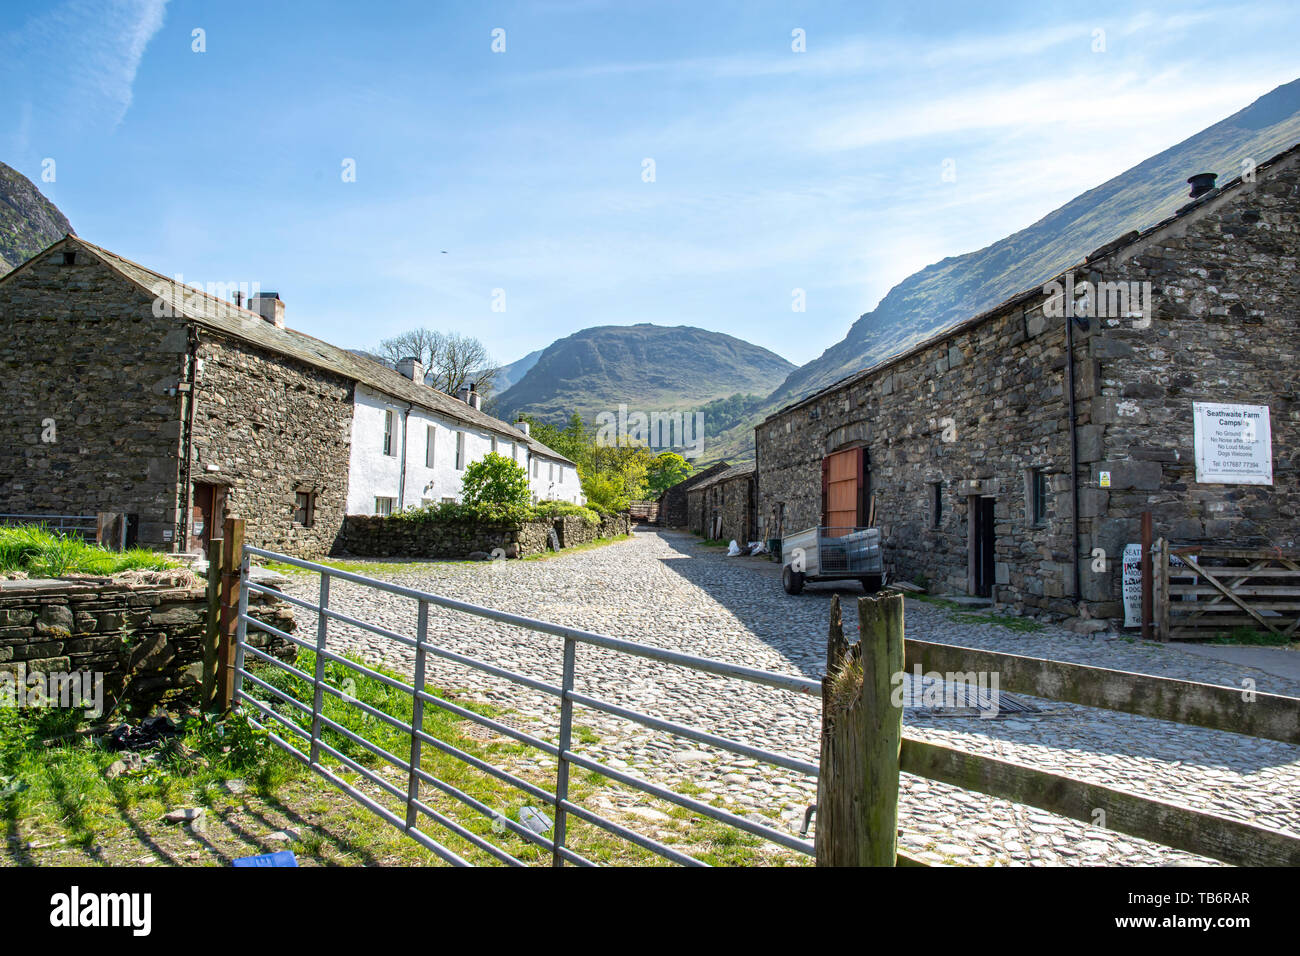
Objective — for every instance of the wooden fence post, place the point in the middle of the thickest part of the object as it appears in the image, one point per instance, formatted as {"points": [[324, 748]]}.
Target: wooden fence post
{"points": [[232, 556], [211, 631], [1148, 606], [862, 729]]}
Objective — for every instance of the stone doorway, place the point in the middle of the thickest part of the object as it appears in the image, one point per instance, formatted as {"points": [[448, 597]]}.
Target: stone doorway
{"points": [[981, 524], [207, 515]]}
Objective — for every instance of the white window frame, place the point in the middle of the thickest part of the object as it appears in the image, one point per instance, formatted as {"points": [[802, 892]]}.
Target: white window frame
{"points": [[389, 417], [460, 451], [384, 506], [430, 448]]}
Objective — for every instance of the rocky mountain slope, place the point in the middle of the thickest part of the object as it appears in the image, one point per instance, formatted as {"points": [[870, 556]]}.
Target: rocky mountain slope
{"points": [[646, 367], [960, 287], [28, 221]]}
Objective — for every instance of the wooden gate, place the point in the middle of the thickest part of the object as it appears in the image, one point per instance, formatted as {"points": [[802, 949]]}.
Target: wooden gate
{"points": [[1219, 589]]}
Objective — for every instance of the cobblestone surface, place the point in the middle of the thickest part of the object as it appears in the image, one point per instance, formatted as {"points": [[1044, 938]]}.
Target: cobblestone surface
{"points": [[665, 589]]}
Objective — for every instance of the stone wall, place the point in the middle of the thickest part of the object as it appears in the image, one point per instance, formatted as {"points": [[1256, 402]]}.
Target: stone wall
{"points": [[977, 410], [85, 368], [1227, 330], [145, 638], [267, 426], [573, 530], [375, 537], [731, 499]]}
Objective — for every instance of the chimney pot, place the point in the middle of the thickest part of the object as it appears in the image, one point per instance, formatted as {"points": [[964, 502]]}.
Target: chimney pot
{"points": [[1201, 184], [269, 307]]}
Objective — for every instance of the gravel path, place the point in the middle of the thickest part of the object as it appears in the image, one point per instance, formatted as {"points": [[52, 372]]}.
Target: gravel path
{"points": [[664, 589]]}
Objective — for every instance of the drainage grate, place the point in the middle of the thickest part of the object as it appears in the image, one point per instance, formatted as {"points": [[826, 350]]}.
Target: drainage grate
{"points": [[930, 697]]}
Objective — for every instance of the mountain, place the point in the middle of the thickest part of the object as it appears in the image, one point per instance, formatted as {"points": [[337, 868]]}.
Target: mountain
{"points": [[962, 286], [645, 367], [507, 375], [28, 221]]}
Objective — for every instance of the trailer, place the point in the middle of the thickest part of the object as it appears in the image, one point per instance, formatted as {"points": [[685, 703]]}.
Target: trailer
{"points": [[832, 554]]}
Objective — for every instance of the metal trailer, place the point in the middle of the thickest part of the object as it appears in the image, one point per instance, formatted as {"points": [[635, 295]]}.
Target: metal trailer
{"points": [[832, 554]]}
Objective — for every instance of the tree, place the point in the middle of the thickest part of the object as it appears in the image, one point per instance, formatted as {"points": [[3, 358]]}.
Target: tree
{"points": [[665, 470], [451, 360], [495, 480]]}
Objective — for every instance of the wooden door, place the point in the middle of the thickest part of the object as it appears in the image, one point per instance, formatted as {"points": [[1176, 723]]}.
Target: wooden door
{"points": [[206, 516], [984, 551], [841, 488]]}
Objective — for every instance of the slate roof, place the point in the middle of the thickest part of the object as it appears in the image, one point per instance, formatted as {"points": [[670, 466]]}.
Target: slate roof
{"points": [[225, 318], [735, 471], [1128, 239]]}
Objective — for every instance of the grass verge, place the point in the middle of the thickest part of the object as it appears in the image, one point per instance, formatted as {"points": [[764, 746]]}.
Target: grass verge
{"points": [[38, 552], [62, 803]]}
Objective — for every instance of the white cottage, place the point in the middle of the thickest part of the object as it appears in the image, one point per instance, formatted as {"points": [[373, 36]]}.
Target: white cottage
{"points": [[411, 444]]}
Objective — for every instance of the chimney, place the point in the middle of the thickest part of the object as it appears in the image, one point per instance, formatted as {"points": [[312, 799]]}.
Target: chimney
{"points": [[1201, 184], [269, 307], [523, 427], [413, 369], [475, 399], [463, 394]]}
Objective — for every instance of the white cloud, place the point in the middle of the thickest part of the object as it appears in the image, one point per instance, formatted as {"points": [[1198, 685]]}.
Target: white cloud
{"points": [[84, 54]]}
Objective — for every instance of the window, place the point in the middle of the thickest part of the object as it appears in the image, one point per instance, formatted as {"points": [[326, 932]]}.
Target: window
{"points": [[430, 433], [494, 444], [426, 502], [384, 506], [304, 508], [69, 258], [460, 451], [550, 471], [561, 474], [537, 468], [448, 501], [1038, 496], [388, 431], [936, 504], [514, 452]]}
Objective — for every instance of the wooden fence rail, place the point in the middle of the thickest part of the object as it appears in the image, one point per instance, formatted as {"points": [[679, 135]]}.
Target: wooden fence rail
{"points": [[857, 800]]}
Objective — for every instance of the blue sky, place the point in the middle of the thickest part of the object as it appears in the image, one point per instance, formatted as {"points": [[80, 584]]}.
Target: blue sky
{"points": [[774, 170]]}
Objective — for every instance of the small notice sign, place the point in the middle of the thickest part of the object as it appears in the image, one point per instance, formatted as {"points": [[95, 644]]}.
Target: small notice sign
{"points": [[1234, 444], [1105, 479]]}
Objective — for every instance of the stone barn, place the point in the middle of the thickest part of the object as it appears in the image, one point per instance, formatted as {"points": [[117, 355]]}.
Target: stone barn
{"points": [[723, 505], [1012, 456], [673, 501], [131, 392]]}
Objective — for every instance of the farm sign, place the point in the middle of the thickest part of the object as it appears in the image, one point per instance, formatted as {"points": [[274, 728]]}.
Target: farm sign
{"points": [[1233, 444]]}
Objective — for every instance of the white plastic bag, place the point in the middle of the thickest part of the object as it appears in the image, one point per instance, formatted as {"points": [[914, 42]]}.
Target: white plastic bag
{"points": [[734, 550]]}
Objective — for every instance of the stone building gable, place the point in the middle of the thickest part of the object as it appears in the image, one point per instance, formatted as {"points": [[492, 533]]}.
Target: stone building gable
{"points": [[673, 501], [268, 427], [976, 412], [1227, 329], [80, 345]]}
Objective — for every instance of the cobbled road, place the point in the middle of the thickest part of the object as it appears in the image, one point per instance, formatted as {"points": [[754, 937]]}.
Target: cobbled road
{"points": [[665, 589]]}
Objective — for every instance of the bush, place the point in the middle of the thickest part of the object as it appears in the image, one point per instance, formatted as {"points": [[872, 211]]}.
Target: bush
{"points": [[495, 480]]}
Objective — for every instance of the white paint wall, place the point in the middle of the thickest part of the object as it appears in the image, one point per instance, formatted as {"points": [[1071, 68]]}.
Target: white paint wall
{"points": [[373, 474], [554, 481]]}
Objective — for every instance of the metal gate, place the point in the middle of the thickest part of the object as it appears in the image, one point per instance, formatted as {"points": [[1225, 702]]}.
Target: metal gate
{"points": [[273, 723]]}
